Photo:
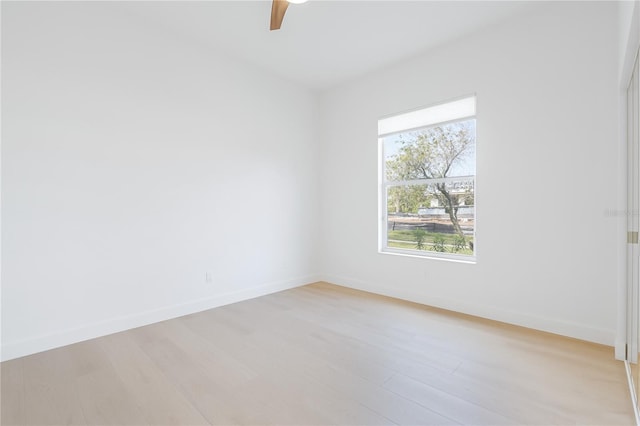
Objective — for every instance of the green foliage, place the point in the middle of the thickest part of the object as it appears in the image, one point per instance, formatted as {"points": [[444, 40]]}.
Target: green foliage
{"points": [[431, 153], [438, 244], [420, 235], [407, 199], [406, 239], [459, 243]]}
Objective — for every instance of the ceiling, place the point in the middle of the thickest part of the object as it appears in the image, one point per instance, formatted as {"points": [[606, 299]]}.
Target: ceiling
{"points": [[323, 42]]}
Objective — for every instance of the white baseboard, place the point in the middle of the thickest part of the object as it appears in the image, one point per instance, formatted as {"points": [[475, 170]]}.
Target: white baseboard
{"points": [[16, 349], [563, 328]]}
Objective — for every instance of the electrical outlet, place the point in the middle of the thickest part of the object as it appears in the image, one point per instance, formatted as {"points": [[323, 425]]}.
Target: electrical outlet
{"points": [[208, 277]]}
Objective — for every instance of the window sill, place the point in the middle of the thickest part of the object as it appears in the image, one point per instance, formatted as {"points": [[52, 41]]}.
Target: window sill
{"points": [[430, 255]]}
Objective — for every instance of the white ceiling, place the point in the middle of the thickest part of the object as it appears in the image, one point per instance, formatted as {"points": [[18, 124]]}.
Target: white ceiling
{"points": [[323, 43]]}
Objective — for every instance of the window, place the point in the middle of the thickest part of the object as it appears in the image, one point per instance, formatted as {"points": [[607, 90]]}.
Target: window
{"points": [[428, 168]]}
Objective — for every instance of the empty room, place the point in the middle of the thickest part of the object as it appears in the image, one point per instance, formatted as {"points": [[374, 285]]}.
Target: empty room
{"points": [[331, 212]]}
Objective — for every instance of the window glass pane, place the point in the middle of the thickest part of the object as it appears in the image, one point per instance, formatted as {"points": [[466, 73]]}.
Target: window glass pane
{"points": [[434, 217], [435, 152]]}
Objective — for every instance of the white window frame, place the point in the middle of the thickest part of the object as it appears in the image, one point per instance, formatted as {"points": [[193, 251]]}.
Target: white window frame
{"points": [[457, 110]]}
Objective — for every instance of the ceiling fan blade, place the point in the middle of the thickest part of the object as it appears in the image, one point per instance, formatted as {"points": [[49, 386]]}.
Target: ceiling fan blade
{"points": [[278, 8]]}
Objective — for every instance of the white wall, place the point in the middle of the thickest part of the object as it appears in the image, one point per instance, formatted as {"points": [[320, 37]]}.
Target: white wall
{"points": [[628, 35], [133, 163], [546, 173]]}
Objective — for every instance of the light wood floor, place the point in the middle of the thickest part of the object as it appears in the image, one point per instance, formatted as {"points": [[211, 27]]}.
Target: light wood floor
{"points": [[320, 354]]}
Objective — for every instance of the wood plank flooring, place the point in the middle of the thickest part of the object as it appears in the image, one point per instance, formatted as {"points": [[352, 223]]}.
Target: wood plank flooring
{"points": [[320, 354]]}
